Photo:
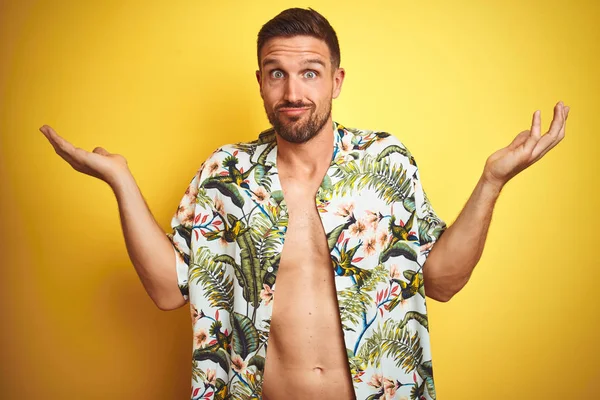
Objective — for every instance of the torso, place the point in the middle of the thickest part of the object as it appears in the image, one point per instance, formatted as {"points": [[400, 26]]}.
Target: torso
{"points": [[306, 356]]}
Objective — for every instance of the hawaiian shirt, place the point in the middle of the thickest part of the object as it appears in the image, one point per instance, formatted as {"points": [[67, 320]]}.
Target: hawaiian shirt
{"points": [[228, 234]]}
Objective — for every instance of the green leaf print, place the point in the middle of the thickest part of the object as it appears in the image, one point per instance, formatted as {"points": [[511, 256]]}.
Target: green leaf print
{"points": [[204, 200], [219, 356], [425, 370], [207, 270], [267, 232], [353, 304], [426, 233], [245, 337], [261, 177], [227, 189], [198, 375], [251, 271], [394, 342], [262, 159], [388, 180], [258, 362], [354, 301], [410, 315], [332, 237], [378, 274], [393, 149], [399, 249], [277, 195], [409, 204], [241, 391]]}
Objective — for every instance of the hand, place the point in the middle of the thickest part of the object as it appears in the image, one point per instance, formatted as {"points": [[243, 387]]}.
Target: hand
{"points": [[527, 148], [99, 163]]}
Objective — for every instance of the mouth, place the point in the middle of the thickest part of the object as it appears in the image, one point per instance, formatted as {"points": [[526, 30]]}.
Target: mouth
{"points": [[293, 111]]}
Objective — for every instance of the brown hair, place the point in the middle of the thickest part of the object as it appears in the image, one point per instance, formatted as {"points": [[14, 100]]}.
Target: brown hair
{"points": [[299, 21]]}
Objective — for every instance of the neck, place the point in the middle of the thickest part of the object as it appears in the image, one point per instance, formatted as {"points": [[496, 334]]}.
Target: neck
{"points": [[307, 157]]}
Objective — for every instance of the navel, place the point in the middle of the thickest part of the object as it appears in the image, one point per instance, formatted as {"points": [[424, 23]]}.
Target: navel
{"points": [[318, 370]]}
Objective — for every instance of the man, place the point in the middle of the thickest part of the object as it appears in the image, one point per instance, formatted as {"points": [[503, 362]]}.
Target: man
{"points": [[333, 220]]}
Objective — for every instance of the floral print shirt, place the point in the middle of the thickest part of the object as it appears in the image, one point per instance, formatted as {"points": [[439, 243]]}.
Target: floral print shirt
{"points": [[228, 234]]}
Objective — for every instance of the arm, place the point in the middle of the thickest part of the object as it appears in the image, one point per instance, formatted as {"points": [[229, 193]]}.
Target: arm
{"points": [[149, 249], [454, 256], [457, 251]]}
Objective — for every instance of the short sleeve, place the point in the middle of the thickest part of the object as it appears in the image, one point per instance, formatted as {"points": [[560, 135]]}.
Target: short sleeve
{"points": [[430, 225], [181, 234]]}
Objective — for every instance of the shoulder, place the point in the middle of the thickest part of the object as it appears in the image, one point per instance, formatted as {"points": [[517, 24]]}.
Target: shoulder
{"points": [[241, 155], [381, 146]]}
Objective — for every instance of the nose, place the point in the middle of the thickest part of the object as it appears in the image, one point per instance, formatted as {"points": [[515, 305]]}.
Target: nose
{"points": [[293, 89]]}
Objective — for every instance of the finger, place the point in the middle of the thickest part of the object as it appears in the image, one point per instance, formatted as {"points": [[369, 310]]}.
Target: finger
{"points": [[56, 140], [536, 124], [545, 144], [533, 138], [548, 142], [557, 121], [62, 147], [100, 150]]}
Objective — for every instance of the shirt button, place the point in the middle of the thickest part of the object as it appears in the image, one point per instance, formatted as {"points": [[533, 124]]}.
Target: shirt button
{"points": [[270, 269]]}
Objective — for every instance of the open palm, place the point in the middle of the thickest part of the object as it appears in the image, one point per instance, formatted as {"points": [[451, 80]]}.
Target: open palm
{"points": [[99, 163], [526, 148]]}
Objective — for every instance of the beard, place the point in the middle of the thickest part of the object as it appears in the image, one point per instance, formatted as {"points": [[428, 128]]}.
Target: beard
{"points": [[295, 131]]}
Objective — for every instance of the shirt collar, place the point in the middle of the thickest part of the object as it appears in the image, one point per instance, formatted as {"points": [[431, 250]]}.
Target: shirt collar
{"points": [[339, 132]]}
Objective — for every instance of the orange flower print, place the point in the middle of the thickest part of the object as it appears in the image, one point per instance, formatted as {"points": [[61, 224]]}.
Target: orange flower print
{"points": [[261, 196], [371, 219], [219, 206], [267, 294], [389, 388], [345, 210], [382, 239], [370, 246], [200, 338], [195, 314], [345, 146], [213, 167], [425, 247], [376, 381], [185, 213], [358, 228], [238, 364], [211, 376], [395, 273]]}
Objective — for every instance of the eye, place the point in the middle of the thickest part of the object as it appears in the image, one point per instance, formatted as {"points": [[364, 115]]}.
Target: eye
{"points": [[310, 74], [277, 74]]}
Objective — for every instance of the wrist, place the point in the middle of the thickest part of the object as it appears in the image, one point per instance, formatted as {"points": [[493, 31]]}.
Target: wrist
{"points": [[121, 180], [490, 185]]}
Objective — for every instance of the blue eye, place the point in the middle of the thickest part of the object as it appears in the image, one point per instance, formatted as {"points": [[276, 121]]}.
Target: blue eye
{"points": [[277, 74], [310, 74]]}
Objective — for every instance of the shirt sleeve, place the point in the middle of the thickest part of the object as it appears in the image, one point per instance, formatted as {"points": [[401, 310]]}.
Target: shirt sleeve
{"points": [[181, 234], [430, 225]]}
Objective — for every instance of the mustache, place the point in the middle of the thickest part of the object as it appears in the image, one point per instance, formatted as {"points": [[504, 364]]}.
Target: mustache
{"points": [[293, 105]]}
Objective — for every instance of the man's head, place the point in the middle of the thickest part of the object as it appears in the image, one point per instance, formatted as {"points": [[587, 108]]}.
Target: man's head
{"points": [[299, 74]]}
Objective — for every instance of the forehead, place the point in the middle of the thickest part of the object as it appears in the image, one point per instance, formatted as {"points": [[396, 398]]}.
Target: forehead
{"points": [[294, 49]]}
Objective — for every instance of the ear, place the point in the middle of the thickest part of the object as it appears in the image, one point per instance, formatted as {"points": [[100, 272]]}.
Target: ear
{"points": [[338, 80], [259, 80]]}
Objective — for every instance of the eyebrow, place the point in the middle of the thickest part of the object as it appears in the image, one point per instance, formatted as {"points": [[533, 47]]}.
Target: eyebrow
{"points": [[269, 61]]}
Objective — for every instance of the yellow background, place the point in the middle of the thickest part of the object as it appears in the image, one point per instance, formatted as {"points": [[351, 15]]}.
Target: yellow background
{"points": [[165, 85]]}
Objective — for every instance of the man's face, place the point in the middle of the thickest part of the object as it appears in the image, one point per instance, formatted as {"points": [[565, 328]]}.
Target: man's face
{"points": [[297, 84]]}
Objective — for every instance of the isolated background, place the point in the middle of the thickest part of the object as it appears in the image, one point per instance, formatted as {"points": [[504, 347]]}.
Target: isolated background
{"points": [[165, 85]]}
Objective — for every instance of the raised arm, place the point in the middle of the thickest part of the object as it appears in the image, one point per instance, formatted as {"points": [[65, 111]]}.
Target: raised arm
{"points": [[454, 256], [148, 247]]}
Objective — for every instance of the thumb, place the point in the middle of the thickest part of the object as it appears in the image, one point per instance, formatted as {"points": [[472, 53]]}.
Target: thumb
{"points": [[519, 140], [101, 151]]}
